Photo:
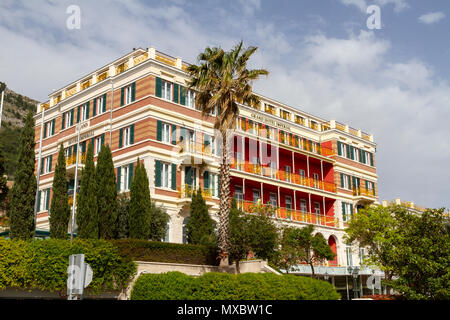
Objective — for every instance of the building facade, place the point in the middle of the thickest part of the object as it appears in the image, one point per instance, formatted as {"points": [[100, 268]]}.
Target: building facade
{"points": [[303, 169]]}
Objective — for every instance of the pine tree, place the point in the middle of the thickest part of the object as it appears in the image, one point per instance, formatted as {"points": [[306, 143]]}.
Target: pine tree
{"points": [[24, 189], [59, 208], [200, 226], [140, 204], [87, 210], [107, 201]]}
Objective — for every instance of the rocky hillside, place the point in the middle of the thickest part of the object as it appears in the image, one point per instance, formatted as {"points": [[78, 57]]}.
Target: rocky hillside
{"points": [[15, 108]]}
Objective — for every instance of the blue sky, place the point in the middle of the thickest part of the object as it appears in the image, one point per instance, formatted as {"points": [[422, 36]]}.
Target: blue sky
{"points": [[322, 58]]}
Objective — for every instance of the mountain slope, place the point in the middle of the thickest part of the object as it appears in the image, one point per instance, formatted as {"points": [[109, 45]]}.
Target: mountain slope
{"points": [[15, 108]]}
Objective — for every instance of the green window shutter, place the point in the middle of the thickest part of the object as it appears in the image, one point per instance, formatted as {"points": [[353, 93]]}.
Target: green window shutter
{"points": [[118, 178], [39, 200], [45, 130], [75, 148], [353, 182], [48, 199], [157, 173], [344, 216], [72, 112], [371, 159], [63, 121], [104, 102], [120, 138], [122, 96], [78, 114], [310, 145], [358, 182], [352, 156], [176, 89], [158, 85], [174, 176], [174, 134], [339, 148], [42, 165], [133, 91], [50, 162], [348, 151], [182, 95], [218, 184], [373, 188], [94, 107], [130, 174], [87, 111], [206, 180], [53, 126], [103, 139], [367, 184], [342, 180], [132, 134], [351, 210], [158, 130], [188, 175]]}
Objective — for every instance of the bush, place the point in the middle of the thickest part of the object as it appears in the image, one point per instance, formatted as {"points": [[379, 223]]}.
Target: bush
{"points": [[224, 286], [42, 264], [145, 250]]}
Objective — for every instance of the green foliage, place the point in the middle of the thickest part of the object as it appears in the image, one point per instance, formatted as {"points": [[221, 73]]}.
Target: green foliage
{"points": [[123, 216], [140, 204], [107, 201], [59, 208], [300, 245], [43, 264], [24, 189], [158, 222], [413, 247], [200, 226], [3, 187], [144, 250], [251, 232], [10, 147], [224, 286], [87, 207]]}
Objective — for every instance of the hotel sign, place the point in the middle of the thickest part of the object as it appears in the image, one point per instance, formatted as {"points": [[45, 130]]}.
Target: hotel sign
{"points": [[270, 121]]}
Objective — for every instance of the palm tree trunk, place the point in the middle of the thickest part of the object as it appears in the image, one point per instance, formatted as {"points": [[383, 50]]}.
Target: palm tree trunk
{"points": [[224, 209]]}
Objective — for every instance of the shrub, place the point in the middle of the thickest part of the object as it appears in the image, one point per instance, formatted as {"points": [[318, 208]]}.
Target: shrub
{"points": [[42, 264], [224, 286], [145, 250]]}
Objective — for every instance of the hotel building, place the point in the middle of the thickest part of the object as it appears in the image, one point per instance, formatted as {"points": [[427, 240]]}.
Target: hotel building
{"points": [[306, 169]]}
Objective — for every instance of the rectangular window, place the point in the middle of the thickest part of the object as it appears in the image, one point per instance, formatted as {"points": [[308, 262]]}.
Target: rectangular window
{"points": [[303, 207], [124, 185], [46, 164], [49, 128], [84, 112], [343, 150], [288, 201], [98, 145], [239, 196], [68, 118], [348, 251], [287, 169], [256, 196], [128, 95], [345, 181], [190, 99], [273, 200], [316, 180], [166, 132], [302, 175], [126, 136], [356, 154], [166, 90], [99, 104], [44, 199], [347, 211], [165, 175], [316, 207], [285, 115], [213, 185]]}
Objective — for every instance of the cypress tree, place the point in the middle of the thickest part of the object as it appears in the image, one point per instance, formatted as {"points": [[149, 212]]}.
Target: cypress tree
{"points": [[140, 204], [107, 201], [3, 186], [123, 217], [59, 208], [158, 222], [87, 210], [200, 226], [24, 189]]}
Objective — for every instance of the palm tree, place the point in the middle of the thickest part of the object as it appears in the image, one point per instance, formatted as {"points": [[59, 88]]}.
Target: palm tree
{"points": [[222, 80]]}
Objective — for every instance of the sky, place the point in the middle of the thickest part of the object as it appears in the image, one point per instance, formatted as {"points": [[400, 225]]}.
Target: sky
{"points": [[322, 58]]}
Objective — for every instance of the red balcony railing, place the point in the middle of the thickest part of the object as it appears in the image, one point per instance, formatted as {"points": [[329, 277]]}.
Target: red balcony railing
{"points": [[288, 214], [283, 176]]}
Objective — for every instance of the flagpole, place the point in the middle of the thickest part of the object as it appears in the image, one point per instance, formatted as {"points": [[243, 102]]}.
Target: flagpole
{"points": [[75, 185], [39, 168]]}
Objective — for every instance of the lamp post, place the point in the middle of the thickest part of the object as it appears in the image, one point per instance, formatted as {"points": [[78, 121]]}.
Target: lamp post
{"points": [[326, 276]]}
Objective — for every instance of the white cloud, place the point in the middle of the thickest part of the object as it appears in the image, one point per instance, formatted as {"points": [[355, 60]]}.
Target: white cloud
{"points": [[432, 17]]}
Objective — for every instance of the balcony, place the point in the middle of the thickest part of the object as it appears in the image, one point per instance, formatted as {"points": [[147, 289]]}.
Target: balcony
{"points": [[72, 159], [288, 214], [196, 153], [185, 192], [364, 192], [280, 175], [270, 109]]}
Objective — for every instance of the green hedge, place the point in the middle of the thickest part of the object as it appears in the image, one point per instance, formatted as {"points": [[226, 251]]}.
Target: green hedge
{"points": [[42, 264], [144, 250], [223, 286]]}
